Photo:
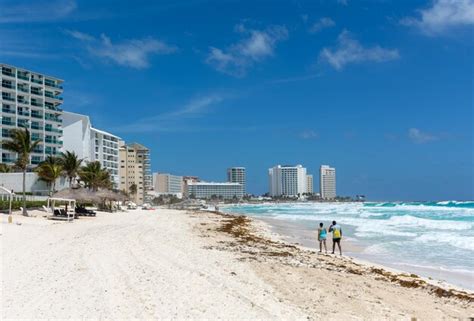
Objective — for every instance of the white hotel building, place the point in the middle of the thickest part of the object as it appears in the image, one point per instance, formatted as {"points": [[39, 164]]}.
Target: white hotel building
{"points": [[91, 144], [31, 100], [327, 182], [207, 190], [287, 180]]}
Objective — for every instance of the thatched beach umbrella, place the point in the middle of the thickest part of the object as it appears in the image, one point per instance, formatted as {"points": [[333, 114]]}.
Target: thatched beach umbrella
{"points": [[111, 195], [79, 194]]}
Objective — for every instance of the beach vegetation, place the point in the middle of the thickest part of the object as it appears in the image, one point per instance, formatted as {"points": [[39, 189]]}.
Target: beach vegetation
{"points": [[4, 168], [94, 176], [16, 205], [133, 189], [21, 144], [49, 171], [71, 165]]}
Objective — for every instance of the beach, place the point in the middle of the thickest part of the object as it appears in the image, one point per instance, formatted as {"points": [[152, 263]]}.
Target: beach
{"points": [[170, 264]]}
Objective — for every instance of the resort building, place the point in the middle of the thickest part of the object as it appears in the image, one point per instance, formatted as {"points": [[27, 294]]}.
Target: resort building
{"points": [[287, 180], [91, 144], [168, 184], [237, 175], [327, 182], [309, 184], [31, 100], [208, 190], [135, 171]]}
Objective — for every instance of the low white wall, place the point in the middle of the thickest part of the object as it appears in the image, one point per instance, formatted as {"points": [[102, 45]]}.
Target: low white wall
{"points": [[14, 181]]}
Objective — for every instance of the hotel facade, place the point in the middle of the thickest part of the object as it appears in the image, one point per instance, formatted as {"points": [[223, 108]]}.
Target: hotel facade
{"points": [[208, 190], [168, 184], [237, 175], [135, 170], [31, 100], [287, 180], [327, 181], [309, 184], [91, 144]]}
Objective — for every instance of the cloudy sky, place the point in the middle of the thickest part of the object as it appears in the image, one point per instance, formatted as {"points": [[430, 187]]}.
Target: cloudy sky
{"points": [[380, 89]]}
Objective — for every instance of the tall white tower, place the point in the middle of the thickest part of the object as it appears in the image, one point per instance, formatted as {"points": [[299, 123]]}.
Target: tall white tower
{"points": [[327, 180]]}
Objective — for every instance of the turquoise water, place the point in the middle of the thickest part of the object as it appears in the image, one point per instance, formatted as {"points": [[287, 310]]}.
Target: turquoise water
{"points": [[435, 239]]}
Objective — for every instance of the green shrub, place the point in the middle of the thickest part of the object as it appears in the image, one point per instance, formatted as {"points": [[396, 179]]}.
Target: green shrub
{"points": [[5, 205]]}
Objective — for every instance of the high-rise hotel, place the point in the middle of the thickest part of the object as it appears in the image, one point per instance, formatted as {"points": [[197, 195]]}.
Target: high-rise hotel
{"points": [[135, 171], [287, 180], [237, 175], [92, 144], [327, 180], [31, 100]]}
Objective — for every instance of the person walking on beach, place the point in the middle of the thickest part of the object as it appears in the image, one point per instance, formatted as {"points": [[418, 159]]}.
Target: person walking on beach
{"points": [[336, 236], [322, 234]]}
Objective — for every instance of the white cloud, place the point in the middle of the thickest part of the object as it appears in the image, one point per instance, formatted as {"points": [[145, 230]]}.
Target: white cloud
{"points": [[443, 15], [419, 137], [133, 53], [176, 120], [36, 11], [349, 50], [257, 46], [309, 134], [322, 23]]}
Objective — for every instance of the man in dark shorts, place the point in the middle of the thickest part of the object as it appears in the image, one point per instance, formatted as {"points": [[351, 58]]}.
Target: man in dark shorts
{"points": [[336, 236]]}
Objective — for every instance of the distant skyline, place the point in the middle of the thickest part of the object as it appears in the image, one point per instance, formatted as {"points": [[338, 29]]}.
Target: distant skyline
{"points": [[380, 90]]}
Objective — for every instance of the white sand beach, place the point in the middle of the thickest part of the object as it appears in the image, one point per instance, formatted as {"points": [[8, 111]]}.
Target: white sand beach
{"points": [[169, 264]]}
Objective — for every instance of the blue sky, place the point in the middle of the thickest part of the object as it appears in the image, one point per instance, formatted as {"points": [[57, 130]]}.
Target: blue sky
{"points": [[382, 90]]}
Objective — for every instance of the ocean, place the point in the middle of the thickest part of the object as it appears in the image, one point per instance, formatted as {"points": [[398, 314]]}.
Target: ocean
{"points": [[432, 239]]}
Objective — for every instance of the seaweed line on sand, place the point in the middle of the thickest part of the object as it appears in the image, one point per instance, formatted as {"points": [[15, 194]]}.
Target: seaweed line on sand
{"points": [[249, 243]]}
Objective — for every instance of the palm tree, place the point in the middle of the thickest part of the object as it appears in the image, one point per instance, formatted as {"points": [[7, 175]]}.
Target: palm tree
{"points": [[22, 145], [4, 168], [95, 177], [133, 189], [49, 171], [71, 165]]}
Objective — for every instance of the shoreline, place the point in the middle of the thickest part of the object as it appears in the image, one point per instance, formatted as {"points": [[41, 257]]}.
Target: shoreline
{"points": [[297, 232], [352, 251]]}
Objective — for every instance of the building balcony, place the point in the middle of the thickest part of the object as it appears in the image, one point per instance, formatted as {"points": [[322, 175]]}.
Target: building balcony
{"points": [[36, 116], [36, 127], [53, 130], [53, 96], [23, 77], [6, 122], [8, 73], [9, 86], [37, 93], [22, 101], [38, 150], [8, 111], [8, 160], [53, 108], [52, 84], [24, 90], [57, 120], [35, 161], [9, 98], [24, 114], [37, 104], [37, 81]]}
